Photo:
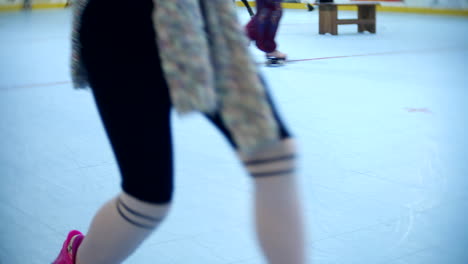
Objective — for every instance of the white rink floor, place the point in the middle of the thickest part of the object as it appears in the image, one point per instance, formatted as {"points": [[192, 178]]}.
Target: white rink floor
{"points": [[381, 120]]}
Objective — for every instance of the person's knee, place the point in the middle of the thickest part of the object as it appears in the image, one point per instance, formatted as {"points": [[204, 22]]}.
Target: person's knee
{"points": [[141, 213]]}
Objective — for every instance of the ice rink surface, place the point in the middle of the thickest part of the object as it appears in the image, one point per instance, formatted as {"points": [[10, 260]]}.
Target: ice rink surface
{"points": [[381, 121]]}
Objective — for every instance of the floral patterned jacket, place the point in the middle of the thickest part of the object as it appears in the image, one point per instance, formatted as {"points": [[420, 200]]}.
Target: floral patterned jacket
{"points": [[207, 66]]}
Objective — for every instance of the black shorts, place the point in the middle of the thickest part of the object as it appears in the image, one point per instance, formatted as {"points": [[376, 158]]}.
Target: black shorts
{"points": [[123, 64]]}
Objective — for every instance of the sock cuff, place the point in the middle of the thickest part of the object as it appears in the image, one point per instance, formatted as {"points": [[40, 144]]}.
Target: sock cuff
{"points": [[139, 213], [276, 160]]}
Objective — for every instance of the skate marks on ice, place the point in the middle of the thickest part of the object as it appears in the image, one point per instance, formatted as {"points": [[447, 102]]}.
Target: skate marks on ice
{"points": [[418, 110]]}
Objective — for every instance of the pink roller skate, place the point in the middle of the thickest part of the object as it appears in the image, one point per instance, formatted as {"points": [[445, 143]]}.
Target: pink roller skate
{"points": [[70, 247]]}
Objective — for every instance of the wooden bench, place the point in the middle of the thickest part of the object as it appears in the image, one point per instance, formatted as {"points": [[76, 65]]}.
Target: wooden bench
{"points": [[328, 17]]}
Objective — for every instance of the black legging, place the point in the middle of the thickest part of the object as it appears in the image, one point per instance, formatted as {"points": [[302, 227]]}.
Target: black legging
{"points": [[122, 59]]}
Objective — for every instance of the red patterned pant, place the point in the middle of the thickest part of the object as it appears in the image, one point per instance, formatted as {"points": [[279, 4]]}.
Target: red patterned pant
{"points": [[264, 24]]}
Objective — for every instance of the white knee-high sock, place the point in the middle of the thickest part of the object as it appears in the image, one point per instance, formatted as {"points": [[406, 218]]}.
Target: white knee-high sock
{"points": [[118, 228], [278, 211]]}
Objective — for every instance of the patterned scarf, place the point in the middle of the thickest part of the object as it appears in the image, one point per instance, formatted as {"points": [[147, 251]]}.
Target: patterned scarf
{"points": [[207, 66]]}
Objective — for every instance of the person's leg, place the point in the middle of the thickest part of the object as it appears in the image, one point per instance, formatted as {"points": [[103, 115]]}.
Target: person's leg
{"points": [[265, 25], [253, 27], [277, 206], [118, 229], [134, 105]]}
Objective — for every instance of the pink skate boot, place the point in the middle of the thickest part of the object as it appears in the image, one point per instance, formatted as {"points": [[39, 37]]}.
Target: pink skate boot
{"points": [[70, 246]]}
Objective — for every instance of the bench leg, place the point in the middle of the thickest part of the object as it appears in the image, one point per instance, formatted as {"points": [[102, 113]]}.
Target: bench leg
{"points": [[328, 19], [367, 12]]}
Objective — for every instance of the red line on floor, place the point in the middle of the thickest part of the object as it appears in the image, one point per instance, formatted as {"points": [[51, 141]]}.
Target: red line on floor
{"points": [[293, 60], [350, 56]]}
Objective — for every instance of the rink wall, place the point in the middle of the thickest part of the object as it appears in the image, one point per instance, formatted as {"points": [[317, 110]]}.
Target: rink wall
{"points": [[442, 7], [11, 5], [14, 5], [436, 7], [41, 4]]}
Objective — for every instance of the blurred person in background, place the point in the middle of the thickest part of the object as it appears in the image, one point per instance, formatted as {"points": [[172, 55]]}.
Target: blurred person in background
{"points": [[263, 26]]}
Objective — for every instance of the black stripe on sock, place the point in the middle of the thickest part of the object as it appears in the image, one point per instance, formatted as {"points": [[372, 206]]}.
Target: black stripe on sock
{"points": [[133, 212], [272, 173], [130, 220], [261, 161]]}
